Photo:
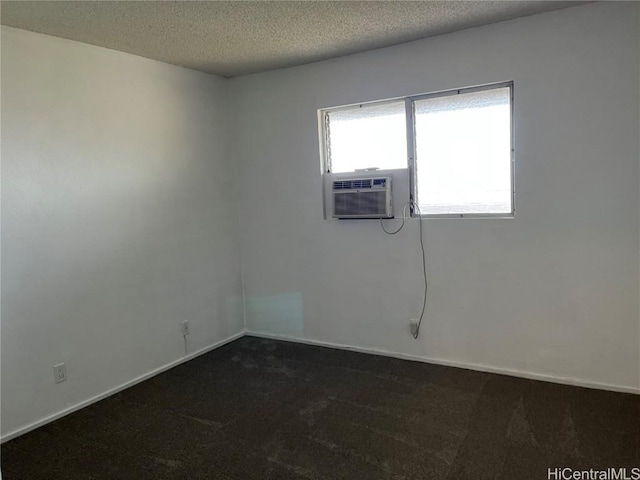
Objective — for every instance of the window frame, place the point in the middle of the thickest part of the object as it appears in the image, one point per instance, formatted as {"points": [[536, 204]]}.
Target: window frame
{"points": [[324, 115], [409, 102]]}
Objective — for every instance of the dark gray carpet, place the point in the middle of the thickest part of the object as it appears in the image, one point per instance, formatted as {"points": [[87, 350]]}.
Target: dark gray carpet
{"points": [[263, 409]]}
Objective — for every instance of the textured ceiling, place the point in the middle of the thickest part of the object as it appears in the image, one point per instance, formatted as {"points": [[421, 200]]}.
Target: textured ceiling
{"points": [[240, 37]]}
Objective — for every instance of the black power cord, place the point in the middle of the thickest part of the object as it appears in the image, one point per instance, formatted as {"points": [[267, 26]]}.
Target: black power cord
{"points": [[404, 217], [424, 259]]}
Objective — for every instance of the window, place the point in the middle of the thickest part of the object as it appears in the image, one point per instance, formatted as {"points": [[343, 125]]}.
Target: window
{"points": [[366, 136], [458, 147]]}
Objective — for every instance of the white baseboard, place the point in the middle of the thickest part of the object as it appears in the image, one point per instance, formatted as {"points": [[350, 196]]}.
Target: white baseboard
{"points": [[130, 383], [469, 366], [374, 351]]}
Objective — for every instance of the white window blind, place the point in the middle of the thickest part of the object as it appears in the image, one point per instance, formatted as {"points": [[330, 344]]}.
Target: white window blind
{"points": [[367, 136], [463, 153]]}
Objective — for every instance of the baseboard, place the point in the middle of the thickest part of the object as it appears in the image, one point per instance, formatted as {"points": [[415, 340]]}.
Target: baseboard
{"points": [[469, 366], [374, 351], [130, 383]]}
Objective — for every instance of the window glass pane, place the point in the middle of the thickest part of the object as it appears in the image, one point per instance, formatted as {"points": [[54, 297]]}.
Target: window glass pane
{"points": [[368, 136], [463, 153]]}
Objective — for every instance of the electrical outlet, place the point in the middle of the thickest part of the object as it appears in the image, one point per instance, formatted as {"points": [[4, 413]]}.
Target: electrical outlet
{"points": [[59, 373], [413, 326], [184, 327]]}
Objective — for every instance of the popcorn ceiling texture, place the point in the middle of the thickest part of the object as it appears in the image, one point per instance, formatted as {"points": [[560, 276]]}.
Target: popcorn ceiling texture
{"points": [[238, 38]]}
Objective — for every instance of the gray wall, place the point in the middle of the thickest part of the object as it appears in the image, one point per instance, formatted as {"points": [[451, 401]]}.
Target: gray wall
{"points": [[553, 292], [118, 220]]}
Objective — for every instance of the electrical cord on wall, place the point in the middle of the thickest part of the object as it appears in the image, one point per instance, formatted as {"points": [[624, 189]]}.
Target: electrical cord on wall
{"points": [[424, 260], [404, 217], [424, 272]]}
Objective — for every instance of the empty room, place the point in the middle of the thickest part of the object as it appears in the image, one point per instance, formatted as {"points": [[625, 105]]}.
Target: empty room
{"points": [[320, 240]]}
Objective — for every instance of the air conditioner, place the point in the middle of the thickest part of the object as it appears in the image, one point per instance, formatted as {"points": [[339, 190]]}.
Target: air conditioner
{"points": [[364, 197]]}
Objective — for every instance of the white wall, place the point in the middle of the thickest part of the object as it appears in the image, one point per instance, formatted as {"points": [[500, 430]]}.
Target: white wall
{"points": [[552, 292], [117, 220]]}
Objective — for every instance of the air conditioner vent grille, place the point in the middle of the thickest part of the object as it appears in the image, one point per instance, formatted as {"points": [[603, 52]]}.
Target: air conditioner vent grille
{"points": [[364, 204], [357, 183], [362, 197]]}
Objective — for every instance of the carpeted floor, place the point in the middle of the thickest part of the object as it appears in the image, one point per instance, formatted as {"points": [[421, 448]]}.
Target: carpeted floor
{"points": [[263, 409]]}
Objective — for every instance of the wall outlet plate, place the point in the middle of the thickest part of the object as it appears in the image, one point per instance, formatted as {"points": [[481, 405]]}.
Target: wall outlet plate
{"points": [[59, 373], [184, 327], [413, 326]]}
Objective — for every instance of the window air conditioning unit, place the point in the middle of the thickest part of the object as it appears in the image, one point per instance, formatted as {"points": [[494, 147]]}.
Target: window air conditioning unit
{"points": [[365, 197]]}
